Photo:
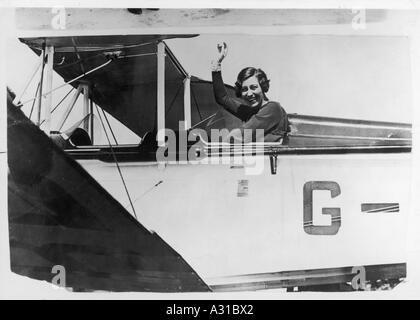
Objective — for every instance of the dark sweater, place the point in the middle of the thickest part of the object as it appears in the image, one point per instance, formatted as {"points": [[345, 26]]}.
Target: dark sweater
{"points": [[271, 116]]}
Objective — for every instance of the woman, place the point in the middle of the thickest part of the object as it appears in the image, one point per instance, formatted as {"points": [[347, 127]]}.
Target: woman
{"points": [[251, 104]]}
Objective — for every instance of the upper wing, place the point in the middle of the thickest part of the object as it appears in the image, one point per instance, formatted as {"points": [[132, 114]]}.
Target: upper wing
{"points": [[127, 87]]}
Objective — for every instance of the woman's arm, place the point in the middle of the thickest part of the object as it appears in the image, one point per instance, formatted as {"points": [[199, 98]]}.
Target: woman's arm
{"points": [[234, 105]]}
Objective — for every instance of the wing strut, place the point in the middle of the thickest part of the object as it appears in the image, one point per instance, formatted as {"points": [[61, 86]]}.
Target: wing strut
{"points": [[48, 100], [38, 121], [187, 102], [161, 94]]}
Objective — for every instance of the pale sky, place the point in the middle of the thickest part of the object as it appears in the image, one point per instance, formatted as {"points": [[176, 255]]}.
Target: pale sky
{"points": [[341, 76]]}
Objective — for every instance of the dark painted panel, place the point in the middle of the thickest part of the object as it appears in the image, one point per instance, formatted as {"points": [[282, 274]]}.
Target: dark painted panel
{"points": [[59, 215]]}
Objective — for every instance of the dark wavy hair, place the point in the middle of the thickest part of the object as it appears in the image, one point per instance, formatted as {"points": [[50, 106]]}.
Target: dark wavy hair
{"points": [[248, 73]]}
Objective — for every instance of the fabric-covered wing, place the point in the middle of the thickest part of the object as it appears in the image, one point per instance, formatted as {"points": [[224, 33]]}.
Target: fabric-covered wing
{"points": [[127, 87], [59, 215]]}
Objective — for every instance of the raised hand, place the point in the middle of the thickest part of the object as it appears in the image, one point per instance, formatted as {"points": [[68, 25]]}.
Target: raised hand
{"points": [[222, 49]]}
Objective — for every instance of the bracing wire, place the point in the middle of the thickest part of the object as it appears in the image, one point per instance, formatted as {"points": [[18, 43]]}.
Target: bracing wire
{"points": [[62, 100], [147, 191], [109, 126], [33, 103], [196, 103], [116, 162], [68, 82], [38, 121], [58, 104], [173, 100], [198, 123]]}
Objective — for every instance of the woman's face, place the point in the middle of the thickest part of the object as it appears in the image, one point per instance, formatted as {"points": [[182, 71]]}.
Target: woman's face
{"points": [[252, 92]]}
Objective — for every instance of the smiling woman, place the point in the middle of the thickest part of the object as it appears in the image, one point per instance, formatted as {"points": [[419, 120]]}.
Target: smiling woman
{"points": [[263, 120]]}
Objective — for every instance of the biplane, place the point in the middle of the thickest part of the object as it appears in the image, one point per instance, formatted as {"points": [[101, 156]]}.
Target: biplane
{"points": [[118, 218]]}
